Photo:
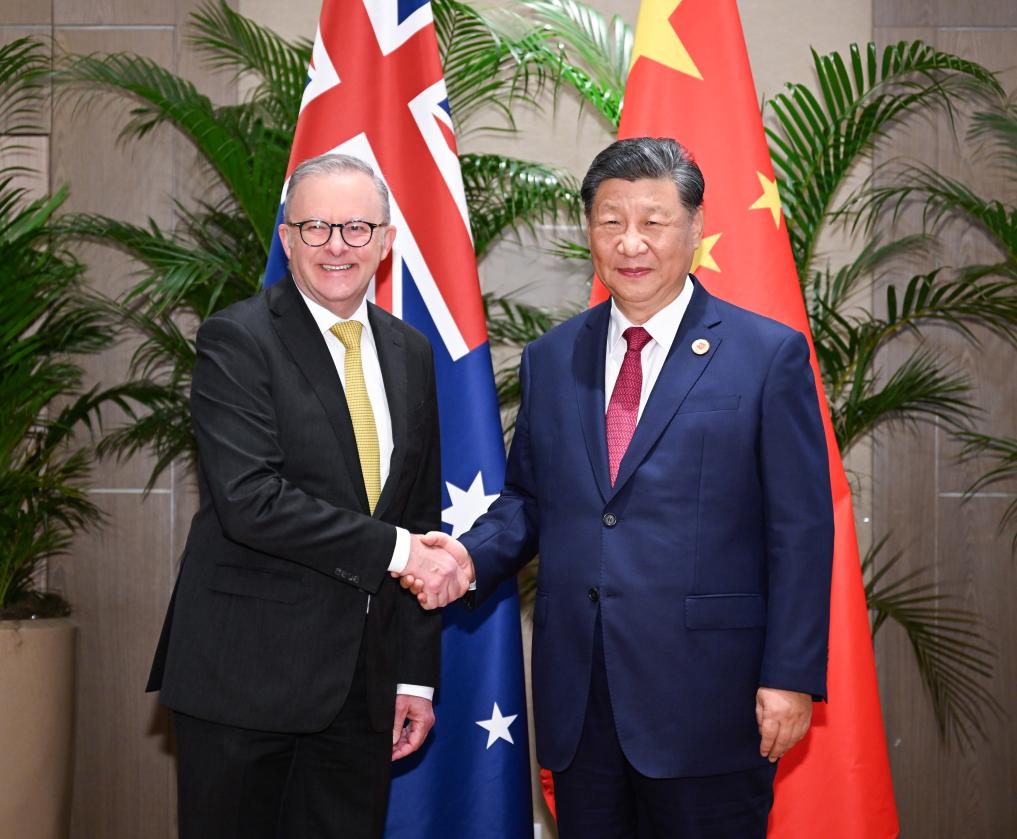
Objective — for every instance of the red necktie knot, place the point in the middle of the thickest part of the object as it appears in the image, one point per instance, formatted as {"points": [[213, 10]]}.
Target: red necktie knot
{"points": [[623, 409], [636, 337]]}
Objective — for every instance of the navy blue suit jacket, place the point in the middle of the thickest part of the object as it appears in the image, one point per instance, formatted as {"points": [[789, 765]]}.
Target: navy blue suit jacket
{"points": [[709, 558]]}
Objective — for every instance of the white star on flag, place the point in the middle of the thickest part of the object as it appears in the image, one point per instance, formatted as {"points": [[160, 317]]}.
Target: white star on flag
{"points": [[498, 726], [467, 506]]}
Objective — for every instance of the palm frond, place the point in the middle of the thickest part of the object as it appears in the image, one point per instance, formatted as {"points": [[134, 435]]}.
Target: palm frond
{"points": [[830, 290], [48, 321], [962, 303], [941, 198], [24, 63], [230, 41], [508, 194], [240, 148], [512, 323], [489, 63], [954, 660], [997, 129], [592, 55], [818, 139], [1002, 451], [568, 249], [920, 387]]}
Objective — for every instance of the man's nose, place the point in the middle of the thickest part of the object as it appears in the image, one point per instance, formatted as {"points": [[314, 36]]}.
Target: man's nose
{"points": [[336, 244], [631, 242]]}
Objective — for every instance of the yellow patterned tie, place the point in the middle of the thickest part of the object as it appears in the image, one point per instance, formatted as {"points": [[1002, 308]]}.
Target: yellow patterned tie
{"points": [[364, 429]]}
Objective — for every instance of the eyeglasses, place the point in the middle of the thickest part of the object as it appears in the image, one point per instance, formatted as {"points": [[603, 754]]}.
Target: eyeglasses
{"points": [[315, 233]]}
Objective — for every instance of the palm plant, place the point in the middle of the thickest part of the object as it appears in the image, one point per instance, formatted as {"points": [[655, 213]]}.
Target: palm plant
{"points": [[217, 252], [47, 321], [943, 200]]}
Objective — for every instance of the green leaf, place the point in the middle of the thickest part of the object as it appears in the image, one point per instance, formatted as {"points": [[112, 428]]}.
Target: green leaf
{"points": [[954, 659], [505, 194], [816, 144]]}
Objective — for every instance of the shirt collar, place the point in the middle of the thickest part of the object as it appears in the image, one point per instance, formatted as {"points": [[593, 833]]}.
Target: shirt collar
{"points": [[663, 326], [325, 320]]}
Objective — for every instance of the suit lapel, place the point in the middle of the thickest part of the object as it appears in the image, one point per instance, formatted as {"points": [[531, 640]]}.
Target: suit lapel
{"points": [[392, 358], [299, 334], [588, 368], [682, 369]]}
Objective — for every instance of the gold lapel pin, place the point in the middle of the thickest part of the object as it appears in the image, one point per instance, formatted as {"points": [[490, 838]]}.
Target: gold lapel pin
{"points": [[700, 346]]}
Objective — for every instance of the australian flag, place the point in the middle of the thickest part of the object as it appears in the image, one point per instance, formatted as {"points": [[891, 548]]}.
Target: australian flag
{"points": [[375, 90]]}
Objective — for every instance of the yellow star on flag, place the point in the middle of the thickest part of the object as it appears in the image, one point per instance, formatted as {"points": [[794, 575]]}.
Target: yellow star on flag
{"points": [[770, 199], [702, 258], [656, 39]]}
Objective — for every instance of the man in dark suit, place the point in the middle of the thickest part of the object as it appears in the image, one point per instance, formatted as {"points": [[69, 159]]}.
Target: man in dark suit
{"points": [[289, 654], [670, 467]]}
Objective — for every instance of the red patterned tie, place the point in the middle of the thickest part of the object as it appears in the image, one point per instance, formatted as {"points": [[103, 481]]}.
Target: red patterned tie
{"points": [[623, 409]]}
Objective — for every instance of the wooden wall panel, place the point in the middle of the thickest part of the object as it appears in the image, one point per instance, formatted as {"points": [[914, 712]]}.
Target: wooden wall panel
{"points": [[123, 784], [949, 793], [20, 12], [120, 12]]}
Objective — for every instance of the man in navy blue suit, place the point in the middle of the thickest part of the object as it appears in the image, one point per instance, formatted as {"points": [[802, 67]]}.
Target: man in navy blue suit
{"points": [[669, 465]]}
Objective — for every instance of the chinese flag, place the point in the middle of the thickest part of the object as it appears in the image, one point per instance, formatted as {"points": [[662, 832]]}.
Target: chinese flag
{"points": [[691, 80]]}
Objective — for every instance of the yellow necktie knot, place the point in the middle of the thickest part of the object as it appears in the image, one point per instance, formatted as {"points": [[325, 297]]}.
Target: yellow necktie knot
{"points": [[348, 331], [364, 428]]}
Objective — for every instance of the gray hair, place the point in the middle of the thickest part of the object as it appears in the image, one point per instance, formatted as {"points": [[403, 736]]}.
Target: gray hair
{"points": [[646, 157], [334, 164]]}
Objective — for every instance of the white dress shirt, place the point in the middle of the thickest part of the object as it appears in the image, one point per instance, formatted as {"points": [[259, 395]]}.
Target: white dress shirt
{"points": [[662, 327], [375, 383]]}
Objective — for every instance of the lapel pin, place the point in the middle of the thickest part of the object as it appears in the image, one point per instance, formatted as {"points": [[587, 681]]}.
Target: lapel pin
{"points": [[700, 346]]}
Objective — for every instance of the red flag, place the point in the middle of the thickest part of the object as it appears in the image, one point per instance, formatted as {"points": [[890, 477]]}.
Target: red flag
{"points": [[691, 80]]}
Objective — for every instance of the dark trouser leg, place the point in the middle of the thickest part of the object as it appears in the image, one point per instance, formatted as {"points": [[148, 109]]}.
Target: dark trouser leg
{"points": [[593, 796], [339, 788], [601, 796], [732, 806], [230, 781], [235, 783]]}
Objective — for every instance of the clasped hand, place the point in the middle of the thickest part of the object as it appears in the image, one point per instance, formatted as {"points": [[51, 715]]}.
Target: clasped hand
{"points": [[439, 569]]}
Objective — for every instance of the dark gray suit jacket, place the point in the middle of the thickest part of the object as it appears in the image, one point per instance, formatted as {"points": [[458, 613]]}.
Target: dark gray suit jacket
{"points": [[271, 605]]}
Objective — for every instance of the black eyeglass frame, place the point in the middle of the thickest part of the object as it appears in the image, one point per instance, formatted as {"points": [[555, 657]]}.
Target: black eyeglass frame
{"points": [[340, 225]]}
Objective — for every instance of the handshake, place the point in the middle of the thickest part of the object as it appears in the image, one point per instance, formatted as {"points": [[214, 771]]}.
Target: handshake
{"points": [[438, 571]]}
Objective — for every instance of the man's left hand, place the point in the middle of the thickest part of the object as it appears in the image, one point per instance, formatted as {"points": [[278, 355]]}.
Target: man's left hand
{"points": [[414, 717], [783, 717]]}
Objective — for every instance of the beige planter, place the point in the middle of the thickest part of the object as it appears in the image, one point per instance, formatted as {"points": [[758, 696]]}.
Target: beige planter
{"points": [[36, 727]]}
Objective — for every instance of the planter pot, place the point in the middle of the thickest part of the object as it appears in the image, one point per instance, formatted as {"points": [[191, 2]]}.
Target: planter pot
{"points": [[36, 727]]}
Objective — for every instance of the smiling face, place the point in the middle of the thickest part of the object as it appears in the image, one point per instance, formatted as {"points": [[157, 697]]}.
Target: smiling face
{"points": [[335, 275], [642, 240]]}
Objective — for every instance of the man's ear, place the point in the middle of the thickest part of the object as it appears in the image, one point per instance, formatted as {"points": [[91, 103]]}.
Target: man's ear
{"points": [[390, 234], [285, 231], [696, 223]]}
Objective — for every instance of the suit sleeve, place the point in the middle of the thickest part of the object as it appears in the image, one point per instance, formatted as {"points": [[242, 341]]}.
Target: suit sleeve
{"points": [[420, 652], [239, 456], [798, 509], [505, 538]]}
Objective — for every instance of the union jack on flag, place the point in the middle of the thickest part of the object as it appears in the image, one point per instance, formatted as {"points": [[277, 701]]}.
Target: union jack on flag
{"points": [[375, 90]]}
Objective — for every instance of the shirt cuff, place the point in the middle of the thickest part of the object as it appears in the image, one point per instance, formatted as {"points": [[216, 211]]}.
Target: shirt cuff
{"points": [[401, 552], [422, 691]]}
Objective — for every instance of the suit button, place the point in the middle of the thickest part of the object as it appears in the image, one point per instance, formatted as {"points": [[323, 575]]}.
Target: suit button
{"points": [[593, 594], [610, 519]]}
